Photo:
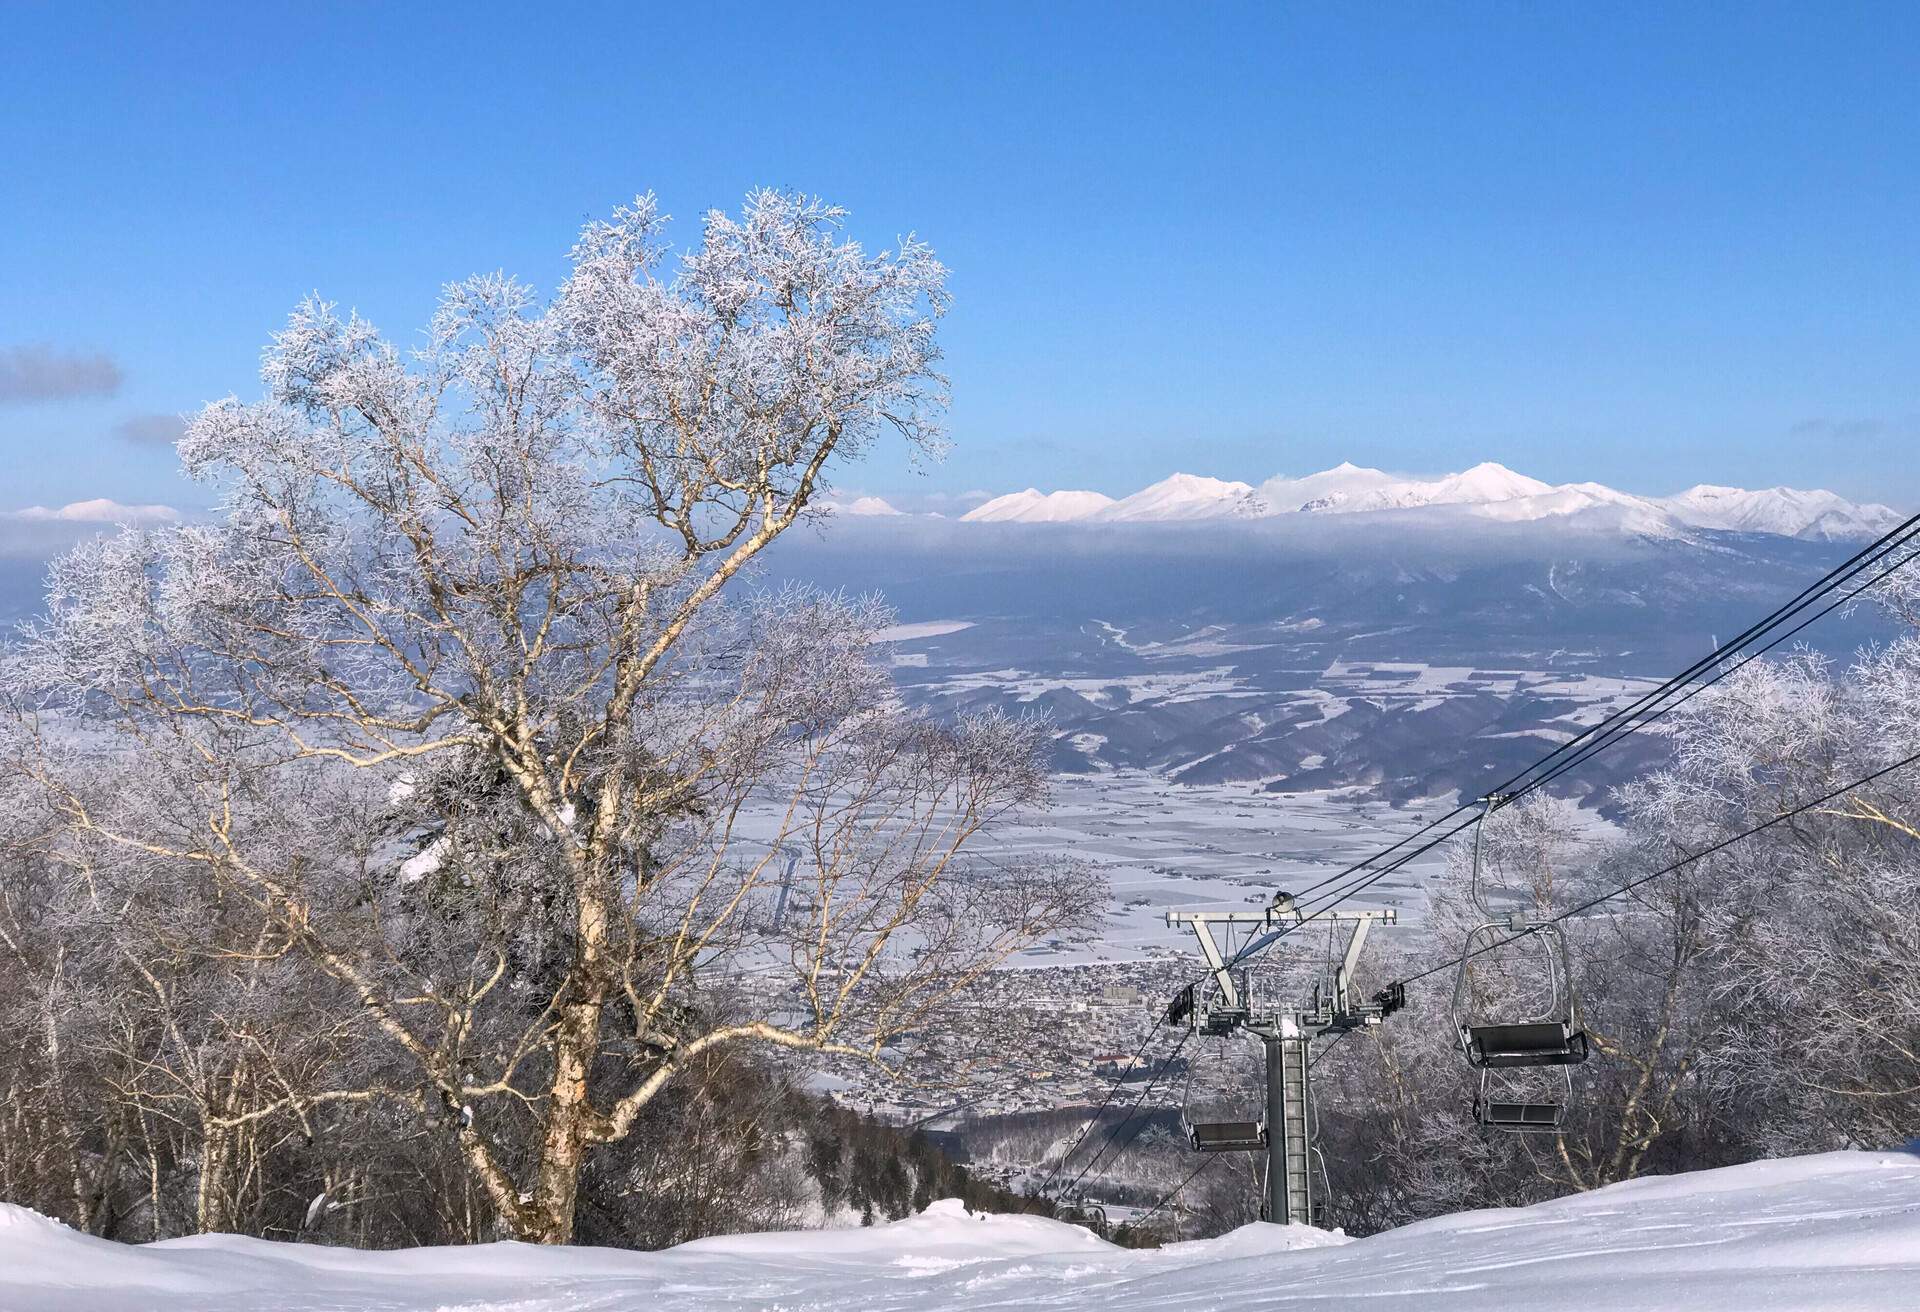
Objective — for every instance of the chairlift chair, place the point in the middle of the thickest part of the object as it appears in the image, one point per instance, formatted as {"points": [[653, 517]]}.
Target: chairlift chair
{"points": [[1078, 1211], [1548, 1036], [1221, 1136], [1227, 1136]]}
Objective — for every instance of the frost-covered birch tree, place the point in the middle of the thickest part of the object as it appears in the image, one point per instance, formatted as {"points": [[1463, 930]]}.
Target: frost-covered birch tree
{"points": [[463, 694], [1760, 995], [1814, 924]]}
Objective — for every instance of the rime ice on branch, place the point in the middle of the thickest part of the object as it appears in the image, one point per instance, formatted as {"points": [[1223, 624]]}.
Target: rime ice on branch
{"points": [[458, 698]]}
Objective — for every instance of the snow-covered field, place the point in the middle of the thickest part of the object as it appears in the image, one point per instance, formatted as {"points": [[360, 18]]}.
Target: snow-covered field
{"points": [[1839, 1231], [1208, 847], [1219, 847]]}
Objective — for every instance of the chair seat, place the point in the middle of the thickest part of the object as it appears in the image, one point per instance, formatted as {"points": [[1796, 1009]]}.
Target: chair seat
{"points": [[1540, 1043], [1521, 1115], [1227, 1136]]}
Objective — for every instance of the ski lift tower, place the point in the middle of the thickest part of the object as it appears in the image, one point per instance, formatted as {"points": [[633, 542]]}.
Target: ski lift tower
{"points": [[1286, 1033]]}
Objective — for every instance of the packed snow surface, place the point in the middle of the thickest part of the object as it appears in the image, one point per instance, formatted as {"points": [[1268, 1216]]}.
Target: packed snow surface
{"points": [[1839, 1231]]}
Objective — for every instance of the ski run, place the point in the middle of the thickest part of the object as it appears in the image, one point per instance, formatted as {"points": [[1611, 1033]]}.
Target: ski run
{"points": [[1829, 1232]]}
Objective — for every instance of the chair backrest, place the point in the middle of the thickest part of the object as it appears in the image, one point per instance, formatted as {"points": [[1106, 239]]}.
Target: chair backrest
{"points": [[1545, 942]]}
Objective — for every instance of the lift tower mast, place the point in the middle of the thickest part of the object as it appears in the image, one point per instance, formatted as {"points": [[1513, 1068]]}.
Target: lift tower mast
{"points": [[1286, 1033]]}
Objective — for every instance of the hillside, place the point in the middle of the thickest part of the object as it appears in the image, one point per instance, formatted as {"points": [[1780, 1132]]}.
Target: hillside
{"points": [[1398, 654], [1841, 1230]]}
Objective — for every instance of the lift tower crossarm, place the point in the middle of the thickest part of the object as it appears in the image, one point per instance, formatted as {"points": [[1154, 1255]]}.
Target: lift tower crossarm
{"points": [[1200, 922], [1228, 1000], [1343, 977]]}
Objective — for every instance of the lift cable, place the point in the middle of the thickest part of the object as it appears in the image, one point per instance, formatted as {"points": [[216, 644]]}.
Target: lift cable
{"points": [[1726, 670], [1577, 750], [1636, 882], [1171, 1194], [1331, 1045], [1588, 905], [1372, 877], [1329, 900], [1126, 1119], [1902, 535], [1112, 1089], [1606, 733]]}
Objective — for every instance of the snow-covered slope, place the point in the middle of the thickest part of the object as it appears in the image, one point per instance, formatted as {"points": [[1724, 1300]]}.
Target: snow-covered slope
{"points": [[1592, 502], [1185, 496], [1821, 516], [1036, 507], [1838, 1231]]}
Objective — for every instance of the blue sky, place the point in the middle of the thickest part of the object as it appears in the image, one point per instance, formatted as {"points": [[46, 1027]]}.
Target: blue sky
{"points": [[1649, 245]]}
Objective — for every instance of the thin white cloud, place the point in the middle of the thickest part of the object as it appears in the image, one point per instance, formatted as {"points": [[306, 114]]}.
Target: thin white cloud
{"points": [[37, 533], [100, 510]]}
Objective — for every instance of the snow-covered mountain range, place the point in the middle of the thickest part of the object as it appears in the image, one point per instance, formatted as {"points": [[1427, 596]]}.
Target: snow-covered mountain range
{"points": [[1488, 490]]}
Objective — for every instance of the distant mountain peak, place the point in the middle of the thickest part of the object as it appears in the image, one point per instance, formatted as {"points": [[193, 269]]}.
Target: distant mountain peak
{"points": [[1496, 481], [1818, 514], [1487, 490], [863, 506], [1036, 507], [1185, 496]]}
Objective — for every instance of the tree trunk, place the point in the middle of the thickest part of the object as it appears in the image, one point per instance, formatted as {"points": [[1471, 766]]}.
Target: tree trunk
{"points": [[576, 1046], [210, 1198], [549, 1215]]}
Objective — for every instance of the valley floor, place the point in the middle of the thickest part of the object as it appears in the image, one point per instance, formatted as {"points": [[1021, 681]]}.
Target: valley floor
{"points": [[1831, 1232]]}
